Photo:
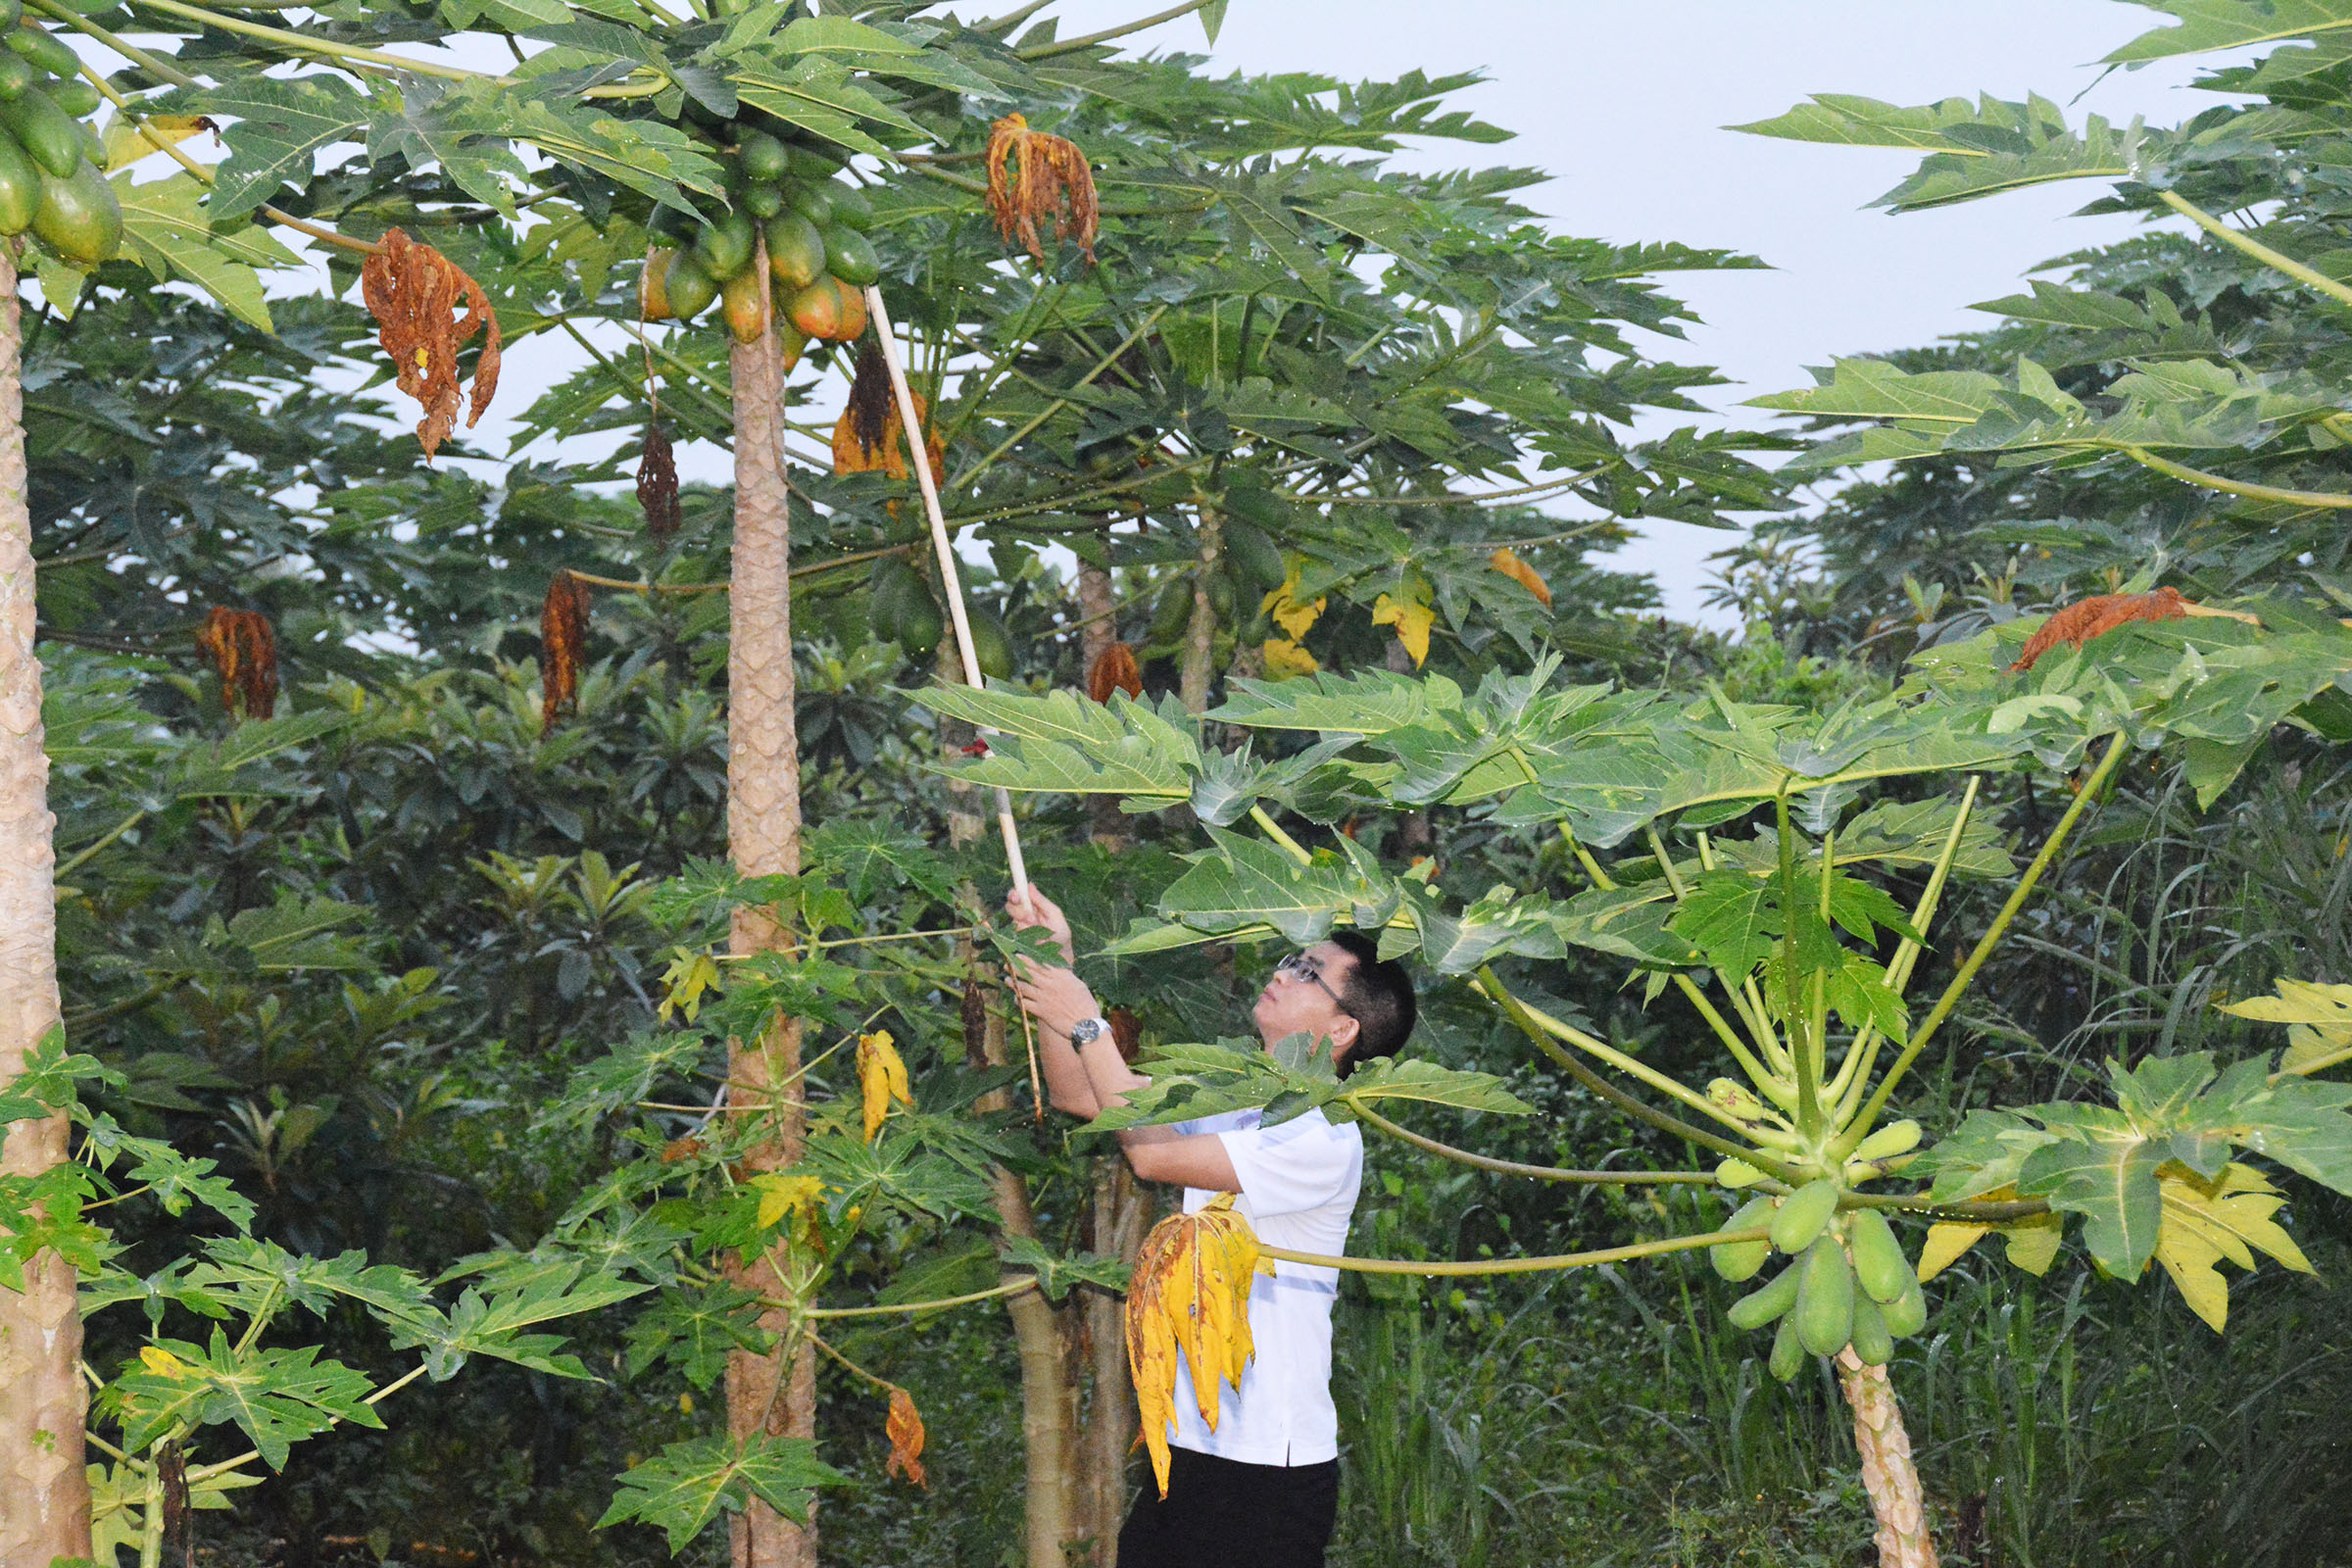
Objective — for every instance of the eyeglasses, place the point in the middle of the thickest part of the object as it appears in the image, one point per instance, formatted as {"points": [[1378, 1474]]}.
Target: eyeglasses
{"points": [[1303, 967]]}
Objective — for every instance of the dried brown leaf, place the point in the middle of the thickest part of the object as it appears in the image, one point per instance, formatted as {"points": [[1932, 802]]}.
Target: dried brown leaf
{"points": [[1114, 671], [905, 1428], [1126, 1032], [1033, 176], [658, 483], [887, 452], [563, 638], [413, 291], [243, 648], [2079, 623]]}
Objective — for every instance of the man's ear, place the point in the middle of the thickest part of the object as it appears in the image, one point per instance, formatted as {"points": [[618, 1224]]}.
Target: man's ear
{"points": [[1343, 1038]]}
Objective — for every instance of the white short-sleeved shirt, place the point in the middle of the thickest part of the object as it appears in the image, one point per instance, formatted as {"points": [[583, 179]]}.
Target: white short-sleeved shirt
{"points": [[1298, 1188]]}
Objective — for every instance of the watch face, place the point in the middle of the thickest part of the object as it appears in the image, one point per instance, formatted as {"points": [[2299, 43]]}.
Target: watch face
{"points": [[1085, 1031]]}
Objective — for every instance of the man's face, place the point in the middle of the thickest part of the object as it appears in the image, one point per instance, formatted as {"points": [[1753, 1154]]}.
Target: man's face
{"points": [[1294, 1004]]}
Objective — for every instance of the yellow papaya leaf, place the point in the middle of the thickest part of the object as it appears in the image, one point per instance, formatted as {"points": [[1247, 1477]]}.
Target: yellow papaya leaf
{"points": [[2033, 1244], [1286, 660], [2319, 1020], [1948, 1240], [683, 983], [1290, 613], [905, 1429], [162, 1363], [781, 1194], [1506, 561], [125, 144], [1191, 1296], [881, 1079], [2203, 1222], [1412, 619]]}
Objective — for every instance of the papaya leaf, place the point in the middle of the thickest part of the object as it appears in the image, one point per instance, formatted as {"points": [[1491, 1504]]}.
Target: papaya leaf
{"points": [[687, 1485]]}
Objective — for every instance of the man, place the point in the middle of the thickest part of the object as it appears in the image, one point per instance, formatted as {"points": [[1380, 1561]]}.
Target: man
{"points": [[1263, 1487]]}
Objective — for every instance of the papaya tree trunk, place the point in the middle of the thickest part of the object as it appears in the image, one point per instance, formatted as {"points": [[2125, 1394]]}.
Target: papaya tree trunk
{"points": [[773, 1393], [1122, 1214], [1887, 1473], [1099, 628], [1200, 636], [44, 1492]]}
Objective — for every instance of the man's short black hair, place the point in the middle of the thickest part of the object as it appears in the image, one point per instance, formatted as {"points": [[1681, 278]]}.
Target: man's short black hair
{"points": [[1379, 997]]}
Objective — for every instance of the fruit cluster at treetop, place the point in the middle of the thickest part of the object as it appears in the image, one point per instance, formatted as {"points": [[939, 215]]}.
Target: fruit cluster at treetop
{"points": [[784, 197], [50, 154]]}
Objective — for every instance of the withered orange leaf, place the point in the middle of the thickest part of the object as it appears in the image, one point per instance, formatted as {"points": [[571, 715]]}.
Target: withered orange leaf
{"points": [[881, 1079], [1190, 1293], [1033, 176], [887, 452], [2078, 623], [413, 291], [243, 648], [1114, 671], [1506, 561], [563, 638], [658, 483], [905, 1429]]}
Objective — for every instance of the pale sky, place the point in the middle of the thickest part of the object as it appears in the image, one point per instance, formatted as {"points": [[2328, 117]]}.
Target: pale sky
{"points": [[1623, 104]]}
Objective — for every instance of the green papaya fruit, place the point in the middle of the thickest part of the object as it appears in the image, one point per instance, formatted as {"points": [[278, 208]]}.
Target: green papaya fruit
{"points": [[75, 97], [850, 256], [810, 164], [1740, 1260], [1170, 611], [814, 204], [45, 50], [1824, 1297], [1787, 1353], [921, 627], [1221, 599], [51, 135], [1907, 1313], [688, 288], [16, 77], [20, 188], [1802, 1214], [795, 251], [1255, 554], [12, 12], [763, 158], [1873, 1343], [79, 217], [888, 586], [1760, 1307], [991, 645], [1896, 1138], [762, 202], [724, 247], [1879, 1261], [850, 209]]}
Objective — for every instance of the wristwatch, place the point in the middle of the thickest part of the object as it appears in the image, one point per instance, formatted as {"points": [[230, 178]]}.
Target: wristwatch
{"points": [[1086, 1031]]}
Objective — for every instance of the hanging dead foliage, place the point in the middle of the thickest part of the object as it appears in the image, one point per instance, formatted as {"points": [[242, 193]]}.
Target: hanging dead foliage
{"points": [[1033, 176], [1190, 1293], [975, 1022], [413, 291], [881, 1079], [872, 402], [658, 483], [244, 649], [2079, 623], [1506, 561], [1114, 671], [563, 640], [886, 452], [905, 1428]]}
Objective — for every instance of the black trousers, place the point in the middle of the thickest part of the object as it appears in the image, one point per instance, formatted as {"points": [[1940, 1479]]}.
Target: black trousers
{"points": [[1221, 1513]]}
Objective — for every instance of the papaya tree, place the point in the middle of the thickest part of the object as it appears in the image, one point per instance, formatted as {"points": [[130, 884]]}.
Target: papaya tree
{"points": [[1782, 874]]}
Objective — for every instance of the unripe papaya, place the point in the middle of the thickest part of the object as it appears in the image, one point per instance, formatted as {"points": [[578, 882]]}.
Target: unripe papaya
{"points": [[724, 246], [1760, 1307], [1907, 1313], [807, 162], [850, 209], [795, 251], [1824, 1297], [1737, 1173], [1879, 1261], [763, 159], [1787, 1356], [16, 75], [991, 645], [791, 341], [20, 188], [51, 135], [813, 203], [45, 50], [1254, 556], [743, 299], [763, 201], [688, 288], [1740, 1260], [652, 285], [921, 627], [829, 310], [1872, 1344], [850, 256], [79, 217], [888, 587], [1804, 1213], [12, 12], [1896, 1138], [75, 97]]}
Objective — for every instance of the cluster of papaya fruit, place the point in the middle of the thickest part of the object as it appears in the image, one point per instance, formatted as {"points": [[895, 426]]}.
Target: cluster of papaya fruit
{"points": [[1849, 1282], [50, 154], [784, 192], [904, 607], [1249, 566]]}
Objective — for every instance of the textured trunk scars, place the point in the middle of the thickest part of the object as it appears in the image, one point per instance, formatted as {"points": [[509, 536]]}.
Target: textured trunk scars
{"points": [[1887, 1473], [44, 1492], [774, 1392], [1201, 637], [1122, 1215]]}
